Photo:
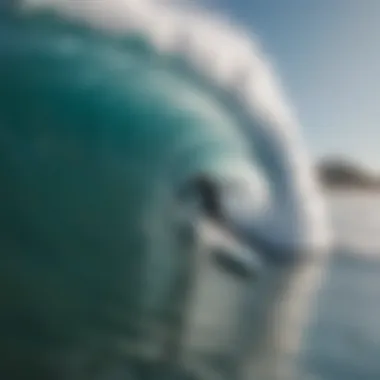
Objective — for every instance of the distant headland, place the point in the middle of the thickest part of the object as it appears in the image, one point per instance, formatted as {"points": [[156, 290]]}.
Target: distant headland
{"points": [[343, 174]]}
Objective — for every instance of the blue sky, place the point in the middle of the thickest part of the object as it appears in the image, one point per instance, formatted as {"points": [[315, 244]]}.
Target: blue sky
{"points": [[328, 56]]}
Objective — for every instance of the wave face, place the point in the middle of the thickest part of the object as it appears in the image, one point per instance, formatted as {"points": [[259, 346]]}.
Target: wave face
{"points": [[123, 102]]}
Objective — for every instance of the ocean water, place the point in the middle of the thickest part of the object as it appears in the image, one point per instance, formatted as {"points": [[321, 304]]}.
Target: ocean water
{"points": [[343, 341]]}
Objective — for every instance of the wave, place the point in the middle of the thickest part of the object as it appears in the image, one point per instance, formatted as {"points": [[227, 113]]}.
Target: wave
{"points": [[230, 63], [169, 93]]}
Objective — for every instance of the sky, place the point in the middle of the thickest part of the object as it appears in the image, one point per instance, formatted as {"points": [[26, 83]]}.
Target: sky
{"points": [[327, 53]]}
